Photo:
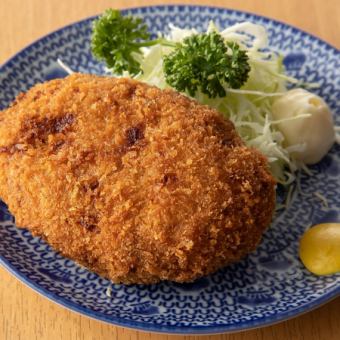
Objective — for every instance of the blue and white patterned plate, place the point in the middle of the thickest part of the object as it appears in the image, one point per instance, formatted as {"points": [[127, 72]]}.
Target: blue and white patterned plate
{"points": [[268, 286]]}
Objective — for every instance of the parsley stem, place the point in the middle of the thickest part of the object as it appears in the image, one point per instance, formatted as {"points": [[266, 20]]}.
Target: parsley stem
{"points": [[160, 41]]}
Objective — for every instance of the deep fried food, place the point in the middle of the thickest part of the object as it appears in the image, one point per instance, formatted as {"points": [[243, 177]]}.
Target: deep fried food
{"points": [[136, 183]]}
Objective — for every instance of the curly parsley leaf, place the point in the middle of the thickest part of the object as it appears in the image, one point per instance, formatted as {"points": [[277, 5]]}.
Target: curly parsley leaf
{"points": [[202, 62], [205, 62]]}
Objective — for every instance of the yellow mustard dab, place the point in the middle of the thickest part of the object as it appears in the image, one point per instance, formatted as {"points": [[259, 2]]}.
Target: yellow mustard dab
{"points": [[320, 249]]}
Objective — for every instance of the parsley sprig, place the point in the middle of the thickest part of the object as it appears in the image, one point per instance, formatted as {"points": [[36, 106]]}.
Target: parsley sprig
{"points": [[201, 62]]}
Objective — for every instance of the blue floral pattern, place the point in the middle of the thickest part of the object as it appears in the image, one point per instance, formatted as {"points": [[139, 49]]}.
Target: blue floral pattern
{"points": [[269, 285]]}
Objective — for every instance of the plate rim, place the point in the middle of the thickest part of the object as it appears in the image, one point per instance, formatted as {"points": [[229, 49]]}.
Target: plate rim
{"points": [[135, 8], [147, 327]]}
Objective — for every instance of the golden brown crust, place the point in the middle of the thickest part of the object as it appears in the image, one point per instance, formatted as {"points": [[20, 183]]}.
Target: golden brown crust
{"points": [[137, 183]]}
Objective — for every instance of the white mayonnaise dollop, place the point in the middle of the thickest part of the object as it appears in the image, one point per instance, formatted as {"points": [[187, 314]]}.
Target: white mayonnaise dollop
{"points": [[304, 118]]}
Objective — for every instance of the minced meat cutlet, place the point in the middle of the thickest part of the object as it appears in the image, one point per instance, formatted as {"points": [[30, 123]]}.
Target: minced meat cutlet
{"points": [[136, 183]]}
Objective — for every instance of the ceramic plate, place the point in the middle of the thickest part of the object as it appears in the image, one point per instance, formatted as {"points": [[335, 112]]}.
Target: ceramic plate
{"points": [[268, 286]]}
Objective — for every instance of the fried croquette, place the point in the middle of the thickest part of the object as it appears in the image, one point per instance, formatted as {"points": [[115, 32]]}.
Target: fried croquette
{"points": [[136, 183]]}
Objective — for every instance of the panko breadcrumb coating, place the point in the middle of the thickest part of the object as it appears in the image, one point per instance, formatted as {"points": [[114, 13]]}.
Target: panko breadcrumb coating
{"points": [[136, 183]]}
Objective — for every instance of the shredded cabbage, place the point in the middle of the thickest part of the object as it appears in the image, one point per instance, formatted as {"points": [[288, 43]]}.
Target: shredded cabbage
{"points": [[249, 108]]}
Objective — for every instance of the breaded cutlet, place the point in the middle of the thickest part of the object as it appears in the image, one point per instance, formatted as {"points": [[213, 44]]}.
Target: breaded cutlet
{"points": [[136, 183]]}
